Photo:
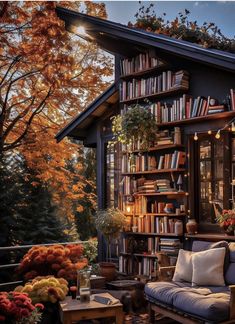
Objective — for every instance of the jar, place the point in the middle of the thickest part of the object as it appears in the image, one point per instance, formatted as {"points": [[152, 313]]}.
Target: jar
{"points": [[178, 227], [191, 226], [83, 284]]}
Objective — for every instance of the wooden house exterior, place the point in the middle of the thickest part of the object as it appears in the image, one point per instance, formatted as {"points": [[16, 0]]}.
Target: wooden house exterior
{"points": [[210, 165]]}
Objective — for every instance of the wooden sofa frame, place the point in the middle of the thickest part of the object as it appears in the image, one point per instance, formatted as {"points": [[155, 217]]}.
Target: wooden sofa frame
{"points": [[166, 274]]}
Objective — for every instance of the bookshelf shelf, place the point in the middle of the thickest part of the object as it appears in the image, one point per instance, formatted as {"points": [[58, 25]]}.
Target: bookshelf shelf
{"points": [[153, 234], [173, 193], [156, 148], [161, 214], [154, 171], [172, 92], [144, 255], [226, 114], [154, 70]]}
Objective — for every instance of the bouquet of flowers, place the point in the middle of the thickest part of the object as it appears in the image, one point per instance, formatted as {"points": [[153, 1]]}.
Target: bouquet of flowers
{"points": [[227, 220], [17, 308], [58, 260], [45, 289]]}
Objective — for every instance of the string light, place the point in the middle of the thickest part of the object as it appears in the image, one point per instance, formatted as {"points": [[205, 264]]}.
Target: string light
{"points": [[217, 135], [209, 132], [195, 136], [233, 127]]}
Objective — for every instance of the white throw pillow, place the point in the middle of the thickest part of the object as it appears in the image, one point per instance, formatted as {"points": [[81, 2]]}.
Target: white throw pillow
{"points": [[184, 267], [208, 267]]}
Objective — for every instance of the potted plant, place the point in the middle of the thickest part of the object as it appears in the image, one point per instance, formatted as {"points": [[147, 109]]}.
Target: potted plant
{"points": [[109, 222], [137, 124]]}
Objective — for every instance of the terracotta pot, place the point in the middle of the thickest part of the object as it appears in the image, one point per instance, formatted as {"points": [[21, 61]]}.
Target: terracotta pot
{"points": [[107, 270]]}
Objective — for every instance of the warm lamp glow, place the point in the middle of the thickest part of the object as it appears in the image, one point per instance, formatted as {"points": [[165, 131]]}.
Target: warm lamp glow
{"points": [[195, 136], [209, 132], [128, 209]]}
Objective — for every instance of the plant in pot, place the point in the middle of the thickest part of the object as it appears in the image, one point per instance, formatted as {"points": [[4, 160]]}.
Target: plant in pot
{"points": [[109, 222], [137, 124]]}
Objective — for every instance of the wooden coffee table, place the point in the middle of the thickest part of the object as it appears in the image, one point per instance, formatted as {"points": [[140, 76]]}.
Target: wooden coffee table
{"points": [[72, 310]]}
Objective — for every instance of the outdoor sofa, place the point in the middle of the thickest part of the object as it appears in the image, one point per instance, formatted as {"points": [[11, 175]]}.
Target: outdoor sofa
{"points": [[189, 304]]}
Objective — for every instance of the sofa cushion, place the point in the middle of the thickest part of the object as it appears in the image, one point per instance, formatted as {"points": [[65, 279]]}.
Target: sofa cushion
{"points": [[199, 246], [201, 302], [163, 291], [210, 303], [230, 273], [184, 267], [208, 267]]}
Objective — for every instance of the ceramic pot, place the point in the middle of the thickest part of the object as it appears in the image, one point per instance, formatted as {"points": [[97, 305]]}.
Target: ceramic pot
{"points": [[107, 270], [191, 226]]}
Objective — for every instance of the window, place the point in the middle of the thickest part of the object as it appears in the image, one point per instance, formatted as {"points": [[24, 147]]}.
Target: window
{"points": [[211, 184], [212, 178], [112, 157]]}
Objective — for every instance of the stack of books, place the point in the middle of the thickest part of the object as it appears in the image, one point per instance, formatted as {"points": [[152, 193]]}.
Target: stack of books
{"points": [[170, 245], [163, 185], [181, 79], [149, 186], [163, 138]]}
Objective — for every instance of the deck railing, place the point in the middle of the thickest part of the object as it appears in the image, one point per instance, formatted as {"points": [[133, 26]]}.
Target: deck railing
{"points": [[7, 250]]}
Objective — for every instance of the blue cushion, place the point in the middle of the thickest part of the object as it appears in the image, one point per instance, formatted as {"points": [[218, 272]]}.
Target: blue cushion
{"points": [[200, 302], [230, 274], [210, 303]]}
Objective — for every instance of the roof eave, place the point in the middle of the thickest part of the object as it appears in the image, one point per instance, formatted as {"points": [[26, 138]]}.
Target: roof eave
{"points": [[188, 50]]}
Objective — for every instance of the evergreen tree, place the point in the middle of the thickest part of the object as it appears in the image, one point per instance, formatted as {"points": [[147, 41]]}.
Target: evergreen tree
{"points": [[84, 219], [37, 221]]}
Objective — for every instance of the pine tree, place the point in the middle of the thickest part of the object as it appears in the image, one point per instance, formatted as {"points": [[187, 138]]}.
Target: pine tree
{"points": [[38, 221], [84, 219]]}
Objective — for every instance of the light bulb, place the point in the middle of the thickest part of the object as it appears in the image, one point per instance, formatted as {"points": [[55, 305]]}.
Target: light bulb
{"points": [[233, 127], [128, 209], [217, 135], [195, 136], [209, 132]]}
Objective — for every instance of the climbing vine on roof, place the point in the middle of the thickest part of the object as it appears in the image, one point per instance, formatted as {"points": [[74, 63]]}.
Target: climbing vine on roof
{"points": [[207, 35]]}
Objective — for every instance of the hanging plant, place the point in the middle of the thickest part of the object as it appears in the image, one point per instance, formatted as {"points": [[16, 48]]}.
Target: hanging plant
{"points": [[136, 124]]}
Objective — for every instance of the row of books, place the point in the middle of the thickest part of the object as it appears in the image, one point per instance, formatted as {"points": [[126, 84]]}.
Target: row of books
{"points": [[125, 265], [136, 163], [148, 86], [144, 266], [171, 161], [185, 107], [129, 186], [158, 225], [139, 63], [147, 162]]}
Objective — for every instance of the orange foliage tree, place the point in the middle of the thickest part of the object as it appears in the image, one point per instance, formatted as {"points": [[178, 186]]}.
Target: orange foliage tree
{"points": [[47, 76]]}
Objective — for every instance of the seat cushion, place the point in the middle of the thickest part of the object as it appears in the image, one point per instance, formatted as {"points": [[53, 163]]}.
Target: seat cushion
{"points": [[209, 303]]}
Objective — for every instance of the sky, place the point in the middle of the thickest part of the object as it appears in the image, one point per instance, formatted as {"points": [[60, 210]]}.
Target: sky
{"points": [[222, 13]]}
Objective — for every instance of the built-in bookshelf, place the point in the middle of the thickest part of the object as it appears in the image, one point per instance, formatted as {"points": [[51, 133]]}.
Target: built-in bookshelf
{"points": [[153, 191]]}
